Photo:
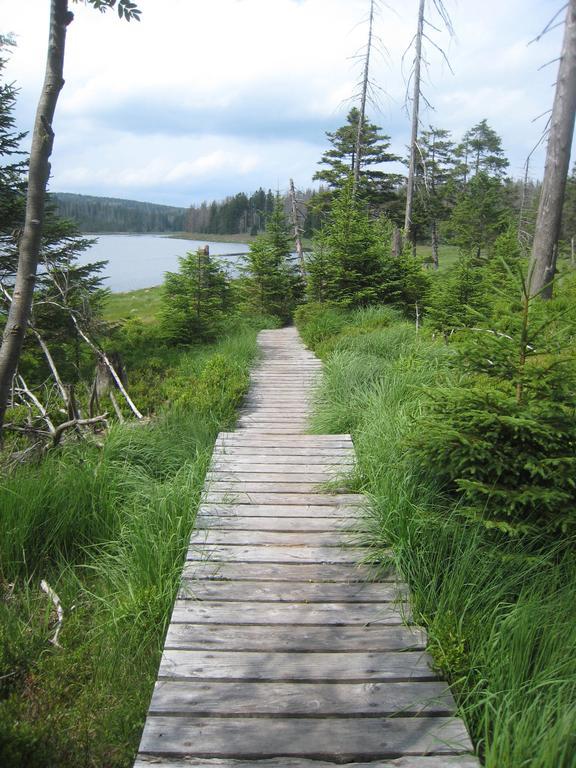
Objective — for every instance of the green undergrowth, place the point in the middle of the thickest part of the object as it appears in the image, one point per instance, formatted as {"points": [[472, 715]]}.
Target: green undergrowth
{"points": [[499, 609], [107, 527]]}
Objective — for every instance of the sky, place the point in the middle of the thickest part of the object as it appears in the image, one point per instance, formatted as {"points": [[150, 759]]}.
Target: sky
{"points": [[206, 98]]}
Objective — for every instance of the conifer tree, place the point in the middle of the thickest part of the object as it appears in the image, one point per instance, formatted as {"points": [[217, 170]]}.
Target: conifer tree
{"points": [[273, 283], [375, 185], [481, 152], [434, 169], [479, 216], [350, 253], [194, 300]]}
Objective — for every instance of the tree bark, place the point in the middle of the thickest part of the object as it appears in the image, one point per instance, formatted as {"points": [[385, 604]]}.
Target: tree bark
{"points": [[543, 259], [363, 99], [39, 172], [435, 259], [297, 230], [408, 224]]}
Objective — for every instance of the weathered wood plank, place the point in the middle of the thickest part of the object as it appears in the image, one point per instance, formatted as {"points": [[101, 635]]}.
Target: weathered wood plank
{"points": [[270, 554], [446, 761], [317, 572], [212, 537], [246, 637], [281, 510], [217, 475], [244, 486], [404, 666], [300, 699], [290, 591], [324, 454], [264, 462], [302, 524], [268, 614], [282, 498], [346, 738], [235, 468]]}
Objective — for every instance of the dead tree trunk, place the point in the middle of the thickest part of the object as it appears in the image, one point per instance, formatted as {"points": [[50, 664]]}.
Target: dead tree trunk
{"points": [[39, 172], [363, 99], [548, 221], [408, 224], [297, 229]]}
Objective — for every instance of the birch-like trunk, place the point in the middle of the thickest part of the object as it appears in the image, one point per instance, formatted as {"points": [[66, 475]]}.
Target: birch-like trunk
{"points": [[38, 174], [547, 232], [408, 228]]}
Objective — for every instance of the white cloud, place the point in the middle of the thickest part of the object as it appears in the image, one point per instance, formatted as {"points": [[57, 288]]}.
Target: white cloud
{"points": [[208, 98]]}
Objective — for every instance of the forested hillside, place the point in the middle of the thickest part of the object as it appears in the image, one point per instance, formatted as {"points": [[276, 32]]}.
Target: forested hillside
{"points": [[110, 214]]}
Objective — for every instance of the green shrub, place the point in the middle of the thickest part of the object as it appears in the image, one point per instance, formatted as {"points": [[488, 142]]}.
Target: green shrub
{"points": [[513, 463]]}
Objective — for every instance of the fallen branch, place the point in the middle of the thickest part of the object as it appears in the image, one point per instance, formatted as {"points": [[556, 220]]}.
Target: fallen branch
{"points": [[61, 428], [45, 587]]}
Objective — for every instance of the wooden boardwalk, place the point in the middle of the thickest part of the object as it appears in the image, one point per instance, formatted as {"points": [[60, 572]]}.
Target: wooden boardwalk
{"points": [[280, 651]]}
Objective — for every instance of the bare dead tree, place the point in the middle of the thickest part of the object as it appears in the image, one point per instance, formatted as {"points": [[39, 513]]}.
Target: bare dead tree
{"points": [[38, 175], [365, 84], [549, 218], [417, 95], [415, 121], [297, 228]]}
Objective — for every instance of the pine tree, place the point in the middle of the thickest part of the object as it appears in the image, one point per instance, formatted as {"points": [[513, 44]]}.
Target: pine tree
{"points": [[434, 171], [12, 164], [375, 185], [481, 152], [273, 284], [479, 216], [350, 253], [194, 300]]}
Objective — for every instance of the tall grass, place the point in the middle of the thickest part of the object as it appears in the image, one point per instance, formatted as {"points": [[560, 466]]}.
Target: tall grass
{"points": [[500, 614], [108, 528]]}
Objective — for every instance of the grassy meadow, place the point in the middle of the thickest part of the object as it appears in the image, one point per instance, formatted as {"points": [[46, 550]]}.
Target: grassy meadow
{"points": [[106, 524], [500, 612]]}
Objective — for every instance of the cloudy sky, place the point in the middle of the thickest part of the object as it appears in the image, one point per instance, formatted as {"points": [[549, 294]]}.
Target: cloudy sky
{"points": [[206, 98]]}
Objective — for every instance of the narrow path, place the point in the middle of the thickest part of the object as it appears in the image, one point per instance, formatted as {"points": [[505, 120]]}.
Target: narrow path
{"points": [[280, 652]]}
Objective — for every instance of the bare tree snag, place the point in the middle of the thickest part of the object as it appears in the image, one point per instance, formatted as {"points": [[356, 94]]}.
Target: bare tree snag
{"points": [[408, 233], [39, 172], [297, 229], [549, 218], [363, 99]]}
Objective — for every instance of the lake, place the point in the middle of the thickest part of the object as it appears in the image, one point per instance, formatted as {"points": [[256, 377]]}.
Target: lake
{"points": [[140, 261]]}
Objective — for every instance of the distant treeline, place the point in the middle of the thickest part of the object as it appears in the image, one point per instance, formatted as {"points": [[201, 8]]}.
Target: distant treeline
{"points": [[236, 214], [243, 214], [110, 214]]}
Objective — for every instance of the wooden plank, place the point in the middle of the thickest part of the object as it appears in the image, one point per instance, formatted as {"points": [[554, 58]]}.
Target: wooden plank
{"points": [[368, 666], [281, 510], [287, 452], [274, 486], [275, 538], [268, 614], [330, 461], [346, 738], [241, 467], [446, 761], [283, 498], [246, 637], [246, 475], [299, 699], [317, 572], [245, 523], [320, 441], [248, 554], [289, 591]]}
